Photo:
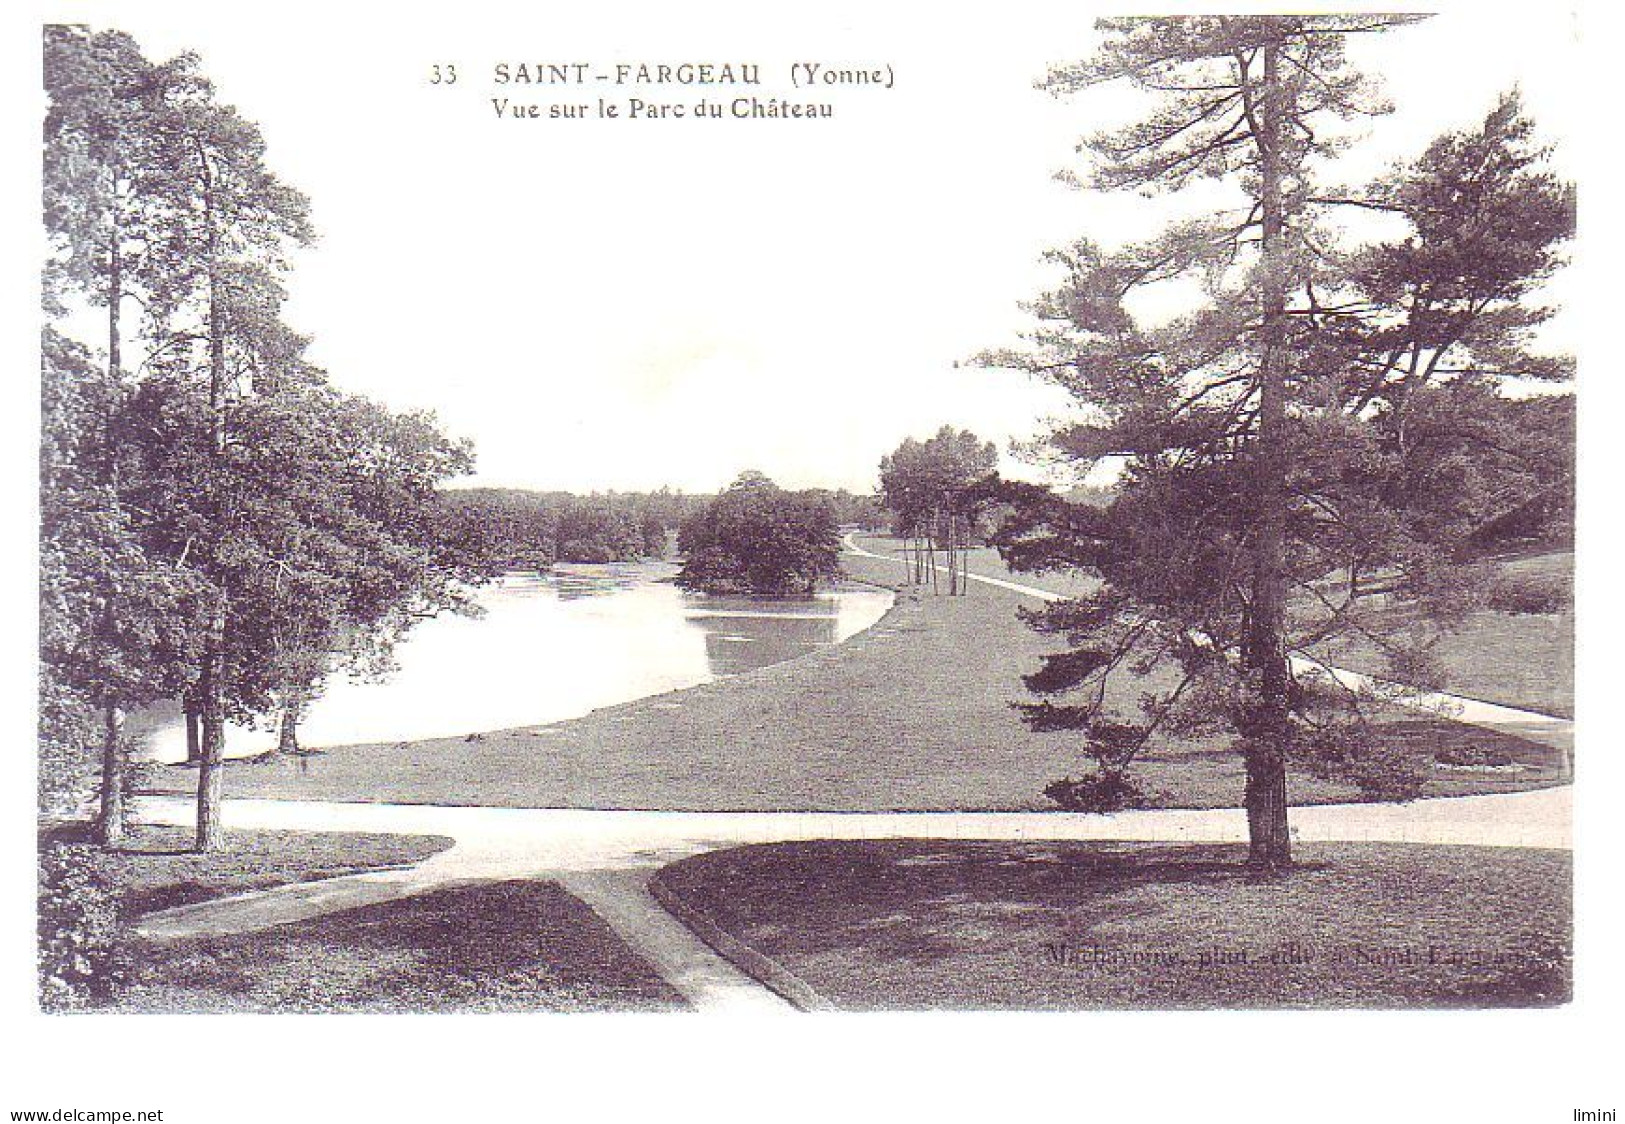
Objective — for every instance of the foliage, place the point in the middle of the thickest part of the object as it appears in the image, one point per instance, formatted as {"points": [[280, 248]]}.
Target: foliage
{"points": [[938, 494], [515, 529], [1529, 593], [756, 536], [67, 731], [1349, 750], [924, 484], [1327, 410], [82, 960], [1475, 756], [865, 512], [219, 524], [1101, 791]]}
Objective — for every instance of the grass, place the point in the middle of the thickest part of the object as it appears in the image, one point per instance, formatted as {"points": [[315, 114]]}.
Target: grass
{"points": [[912, 714], [505, 946], [156, 867], [913, 924], [1524, 660]]}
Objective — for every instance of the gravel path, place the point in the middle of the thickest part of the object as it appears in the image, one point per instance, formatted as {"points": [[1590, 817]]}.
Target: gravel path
{"points": [[605, 857]]}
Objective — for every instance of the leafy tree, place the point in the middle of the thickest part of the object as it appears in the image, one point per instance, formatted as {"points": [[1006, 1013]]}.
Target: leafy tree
{"points": [[756, 536], [517, 529], [599, 530], [933, 490], [1283, 430], [507, 529], [346, 556], [220, 524], [106, 210], [867, 512], [112, 624], [245, 218]]}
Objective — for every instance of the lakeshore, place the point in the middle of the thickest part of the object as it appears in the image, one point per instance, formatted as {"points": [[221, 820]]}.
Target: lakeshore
{"points": [[911, 714]]}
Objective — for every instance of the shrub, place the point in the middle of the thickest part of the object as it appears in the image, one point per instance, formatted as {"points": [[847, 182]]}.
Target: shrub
{"points": [[1383, 768], [1101, 791], [1473, 754], [82, 960], [68, 764], [1530, 593]]}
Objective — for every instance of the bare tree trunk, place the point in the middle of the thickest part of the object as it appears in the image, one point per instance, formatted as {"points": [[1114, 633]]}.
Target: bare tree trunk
{"points": [[962, 536], [110, 820], [933, 544], [1267, 726], [963, 533]]}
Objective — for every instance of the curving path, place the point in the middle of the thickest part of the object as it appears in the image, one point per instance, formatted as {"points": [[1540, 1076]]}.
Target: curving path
{"points": [[606, 857], [1543, 728]]}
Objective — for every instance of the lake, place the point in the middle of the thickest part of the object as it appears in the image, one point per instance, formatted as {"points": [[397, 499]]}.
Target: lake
{"points": [[551, 647]]}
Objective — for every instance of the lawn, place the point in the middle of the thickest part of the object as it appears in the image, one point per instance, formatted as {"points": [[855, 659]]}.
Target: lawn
{"points": [[504, 946], [157, 868], [912, 714], [1524, 660], [912, 924]]}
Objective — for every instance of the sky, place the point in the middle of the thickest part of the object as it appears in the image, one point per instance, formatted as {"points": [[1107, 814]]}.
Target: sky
{"points": [[629, 304]]}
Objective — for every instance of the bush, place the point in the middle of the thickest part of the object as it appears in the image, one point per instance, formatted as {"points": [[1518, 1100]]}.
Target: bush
{"points": [[1383, 768], [1100, 791], [1530, 593], [756, 537], [1473, 754], [82, 960], [68, 763]]}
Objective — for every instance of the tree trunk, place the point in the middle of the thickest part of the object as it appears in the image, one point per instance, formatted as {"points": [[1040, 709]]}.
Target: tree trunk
{"points": [[110, 817], [194, 748], [110, 820], [931, 546], [1267, 725], [1269, 840], [964, 557], [288, 735], [210, 774], [962, 536], [211, 686]]}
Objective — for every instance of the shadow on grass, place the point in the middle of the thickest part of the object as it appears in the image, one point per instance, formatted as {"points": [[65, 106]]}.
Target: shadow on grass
{"points": [[918, 923], [157, 867], [507, 946]]}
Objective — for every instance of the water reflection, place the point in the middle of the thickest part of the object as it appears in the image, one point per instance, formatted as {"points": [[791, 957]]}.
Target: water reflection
{"points": [[552, 647]]}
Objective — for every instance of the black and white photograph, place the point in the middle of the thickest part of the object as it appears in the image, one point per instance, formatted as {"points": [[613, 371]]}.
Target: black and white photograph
{"points": [[676, 531]]}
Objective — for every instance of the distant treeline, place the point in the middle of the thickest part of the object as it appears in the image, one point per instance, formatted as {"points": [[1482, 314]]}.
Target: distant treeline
{"points": [[519, 529], [516, 529]]}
